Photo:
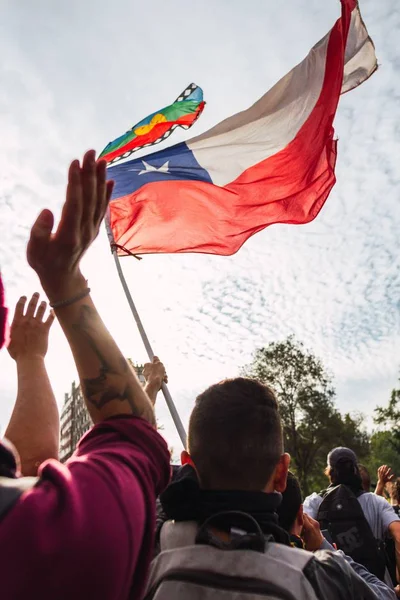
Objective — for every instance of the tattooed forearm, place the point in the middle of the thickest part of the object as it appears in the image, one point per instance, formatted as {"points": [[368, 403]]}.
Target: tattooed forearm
{"points": [[115, 382], [102, 390]]}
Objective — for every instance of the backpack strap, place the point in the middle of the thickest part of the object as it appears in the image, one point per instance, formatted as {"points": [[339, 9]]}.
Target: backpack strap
{"points": [[178, 534], [245, 533], [12, 489], [322, 515]]}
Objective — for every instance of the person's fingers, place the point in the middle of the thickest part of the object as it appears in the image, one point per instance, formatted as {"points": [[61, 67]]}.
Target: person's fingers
{"points": [[50, 319], [104, 206], [19, 310], [306, 520], [89, 188], [41, 310], [110, 187], [156, 359], [39, 238], [101, 200], [71, 216], [312, 523], [30, 312], [166, 379]]}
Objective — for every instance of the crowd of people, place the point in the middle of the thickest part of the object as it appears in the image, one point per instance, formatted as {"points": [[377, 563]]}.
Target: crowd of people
{"points": [[117, 521]]}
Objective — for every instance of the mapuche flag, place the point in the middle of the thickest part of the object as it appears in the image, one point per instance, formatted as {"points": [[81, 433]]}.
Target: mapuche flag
{"points": [[158, 126], [272, 163]]}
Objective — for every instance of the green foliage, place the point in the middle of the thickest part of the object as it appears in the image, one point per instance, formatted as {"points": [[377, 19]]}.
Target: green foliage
{"points": [[383, 452], [312, 425], [389, 417]]}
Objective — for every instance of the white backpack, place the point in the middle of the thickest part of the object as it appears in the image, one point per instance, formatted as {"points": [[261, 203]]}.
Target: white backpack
{"points": [[188, 567]]}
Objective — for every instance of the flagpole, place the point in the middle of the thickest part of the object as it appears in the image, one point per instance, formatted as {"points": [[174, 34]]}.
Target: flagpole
{"points": [[168, 398]]}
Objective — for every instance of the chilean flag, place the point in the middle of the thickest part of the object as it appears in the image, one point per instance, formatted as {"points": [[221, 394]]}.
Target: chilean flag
{"points": [[272, 163]]}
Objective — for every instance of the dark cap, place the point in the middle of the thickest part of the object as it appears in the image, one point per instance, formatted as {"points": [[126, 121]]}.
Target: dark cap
{"points": [[341, 454]]}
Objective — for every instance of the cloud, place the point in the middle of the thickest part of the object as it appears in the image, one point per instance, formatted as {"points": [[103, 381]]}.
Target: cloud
{"points": [[78, 75]]}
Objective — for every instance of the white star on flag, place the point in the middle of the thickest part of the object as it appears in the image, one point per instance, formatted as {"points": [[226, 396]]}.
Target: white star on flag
{"points": [[151, 169]]}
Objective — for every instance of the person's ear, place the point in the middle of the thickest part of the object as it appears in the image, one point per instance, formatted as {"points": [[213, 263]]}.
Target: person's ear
{"points": [[186, 459], [281, 472]]}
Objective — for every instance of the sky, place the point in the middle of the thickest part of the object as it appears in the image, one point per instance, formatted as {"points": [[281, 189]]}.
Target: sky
{"points": [[75, 75]]}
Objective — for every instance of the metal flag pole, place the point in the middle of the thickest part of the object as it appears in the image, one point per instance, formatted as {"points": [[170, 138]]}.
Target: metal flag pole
{"points": [[168, 398]]}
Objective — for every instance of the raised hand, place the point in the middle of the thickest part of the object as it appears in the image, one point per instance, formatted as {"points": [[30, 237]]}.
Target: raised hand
{"points": [[155, 372], [109, 385], [34, 423], [155, 376], [312, 535], [385, 474], [29, 335], [56, 256]]}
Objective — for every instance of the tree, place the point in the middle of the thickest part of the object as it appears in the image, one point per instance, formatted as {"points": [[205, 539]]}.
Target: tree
{"points": [[389, 417], [352, 434], [383, 452], [311, 423]]}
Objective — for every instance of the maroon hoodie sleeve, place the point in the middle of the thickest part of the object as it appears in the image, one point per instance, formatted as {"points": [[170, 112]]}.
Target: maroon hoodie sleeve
{"points": [[87, 529]]}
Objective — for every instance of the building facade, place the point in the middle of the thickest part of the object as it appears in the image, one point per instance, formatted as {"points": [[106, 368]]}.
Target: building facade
{"points": [[75, 419]]}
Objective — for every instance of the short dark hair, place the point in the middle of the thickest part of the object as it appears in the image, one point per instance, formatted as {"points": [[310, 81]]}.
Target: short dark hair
{"points": [[347, 473], [235, 435], [291, 502]]}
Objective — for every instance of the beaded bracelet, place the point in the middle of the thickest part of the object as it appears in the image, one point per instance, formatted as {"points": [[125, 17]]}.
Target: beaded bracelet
{"points": [[63, 303]]}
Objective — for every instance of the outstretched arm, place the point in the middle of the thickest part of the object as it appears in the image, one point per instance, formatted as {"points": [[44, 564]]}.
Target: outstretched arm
{"points": [[34, 423], [109, 385]]}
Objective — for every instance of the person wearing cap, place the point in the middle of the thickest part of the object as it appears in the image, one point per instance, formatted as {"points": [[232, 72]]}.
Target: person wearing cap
{"points": [[306, 533], [342, 468]]}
